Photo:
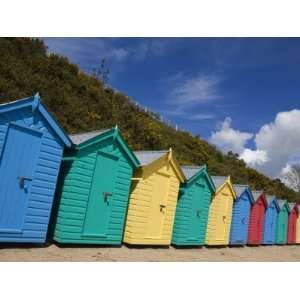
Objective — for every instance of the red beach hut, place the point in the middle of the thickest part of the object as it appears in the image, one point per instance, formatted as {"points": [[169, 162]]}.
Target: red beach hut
{"points": [[292, 225], [257, 218]]}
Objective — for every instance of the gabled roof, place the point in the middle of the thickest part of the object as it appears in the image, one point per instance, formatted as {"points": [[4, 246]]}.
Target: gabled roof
{"points": [[270, 199], [241, 188], [219, 181], [293, 205], [282, 203], [256, 195], [87, 139], [192, 172], [79, 138], [36, 104], [147, 157]]}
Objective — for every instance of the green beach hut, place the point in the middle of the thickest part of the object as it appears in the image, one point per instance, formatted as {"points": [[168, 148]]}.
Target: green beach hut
{"points": [[93, 189], [193, 207], [282, 222]]}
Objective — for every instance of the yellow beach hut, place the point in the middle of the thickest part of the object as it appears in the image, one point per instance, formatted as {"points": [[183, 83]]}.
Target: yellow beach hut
{"points": [[153, 199], [298, 227], [220, 213]]}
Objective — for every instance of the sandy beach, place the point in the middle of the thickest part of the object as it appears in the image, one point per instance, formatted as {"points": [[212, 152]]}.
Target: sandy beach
{"points": [[53, 252]]}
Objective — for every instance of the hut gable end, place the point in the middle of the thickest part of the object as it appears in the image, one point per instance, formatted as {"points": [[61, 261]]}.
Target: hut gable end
{"points": [[29, 123], [101, 158]]}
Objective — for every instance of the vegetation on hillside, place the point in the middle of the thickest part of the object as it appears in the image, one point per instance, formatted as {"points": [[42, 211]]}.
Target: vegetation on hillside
{"points": [[81, 102]]}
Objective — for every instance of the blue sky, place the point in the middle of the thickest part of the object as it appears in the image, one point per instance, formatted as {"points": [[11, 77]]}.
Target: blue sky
{"points": [[199, 82]]}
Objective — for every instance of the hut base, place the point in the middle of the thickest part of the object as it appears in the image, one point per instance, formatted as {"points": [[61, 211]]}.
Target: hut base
{"points": [[88, 241], [145, 242]]}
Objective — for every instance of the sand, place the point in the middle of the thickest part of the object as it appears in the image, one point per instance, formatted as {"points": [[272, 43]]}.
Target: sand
{"points": [[54, 252]]}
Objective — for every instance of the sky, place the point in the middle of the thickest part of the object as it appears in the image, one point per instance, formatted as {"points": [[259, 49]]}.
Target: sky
{"points": [[240, 94]]}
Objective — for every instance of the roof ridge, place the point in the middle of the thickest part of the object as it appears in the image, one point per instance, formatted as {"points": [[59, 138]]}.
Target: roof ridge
{"points": [[192, 167], [18, 100], [92, 131], [157, 151]]}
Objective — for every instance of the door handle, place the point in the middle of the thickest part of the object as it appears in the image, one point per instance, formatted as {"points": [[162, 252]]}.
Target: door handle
{"points": [[224, 218], [198, 213], [22, 181], [106, 195], [162, 207]]}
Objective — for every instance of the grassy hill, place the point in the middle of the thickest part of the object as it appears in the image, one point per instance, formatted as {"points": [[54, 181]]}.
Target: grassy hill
{"points": [[80, 102]]}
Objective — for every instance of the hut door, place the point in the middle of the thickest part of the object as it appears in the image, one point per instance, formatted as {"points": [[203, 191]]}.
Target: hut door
{"points": [[221, 229], [259, 221], [244, 206], [198, 213], [18, 159], [158, 206], [270, 222], [292, 225], [101, 196]]}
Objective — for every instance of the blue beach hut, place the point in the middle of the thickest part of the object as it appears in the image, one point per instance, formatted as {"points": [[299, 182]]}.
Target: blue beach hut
{"points": [[240, 215], [270, 223], [31, 150]]}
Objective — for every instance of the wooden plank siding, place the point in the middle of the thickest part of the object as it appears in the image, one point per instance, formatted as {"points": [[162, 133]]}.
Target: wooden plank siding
{"points": [[184, 231], [44, 175], [75, 186], [141, 198], [298, 228], [219, 220]]}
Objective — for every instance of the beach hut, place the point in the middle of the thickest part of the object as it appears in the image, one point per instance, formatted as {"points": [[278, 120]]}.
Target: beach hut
{"points": [[282, 222], [257, 218], [153, 199], [298, 227], [292, 223], [240, 215], [192, 207], [31, 146], [219, 219], [271, 216], [93, 189]]}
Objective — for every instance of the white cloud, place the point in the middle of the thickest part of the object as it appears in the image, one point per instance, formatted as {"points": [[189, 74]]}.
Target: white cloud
{"points": [[228, 139], [119, 54], [277, 143], [280, 140], [254, 158], [197, 90], [190, 114], [149, 47], [200, 117]]}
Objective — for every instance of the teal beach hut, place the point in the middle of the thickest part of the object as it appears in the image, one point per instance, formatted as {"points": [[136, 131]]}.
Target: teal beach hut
{"points": [[93, 189], [282, 222], [193, 207]]}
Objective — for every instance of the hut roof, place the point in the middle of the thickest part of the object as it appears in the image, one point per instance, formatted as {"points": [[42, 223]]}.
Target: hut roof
{"points": [[256, 194], [281, 203], [79, 138], [240, 188], [147, 157], [35, 103], [218, 180], [292, 205], [190, 171], [269, 199]]}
